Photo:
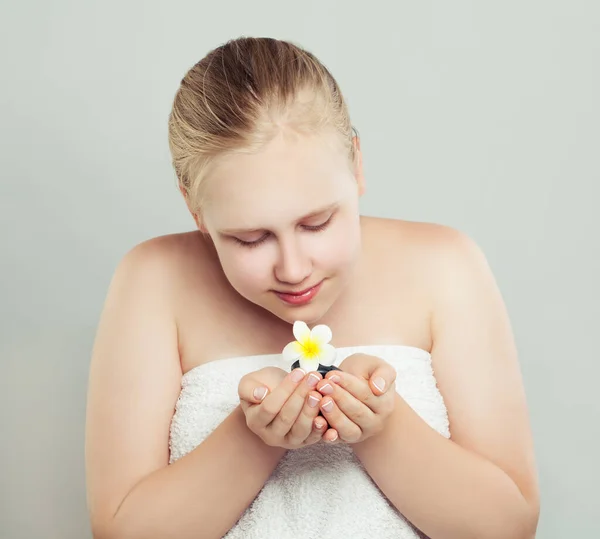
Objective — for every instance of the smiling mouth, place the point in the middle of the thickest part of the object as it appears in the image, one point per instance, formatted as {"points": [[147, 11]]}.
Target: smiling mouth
{"points": [[299, 298], [301, 293]]}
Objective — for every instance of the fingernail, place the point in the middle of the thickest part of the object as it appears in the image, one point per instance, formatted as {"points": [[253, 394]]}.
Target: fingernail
{"points": [[312, 380], [328, 406], [312, 401], [379, 383], [260, 393], [335, 378], [297, 375], [334, 439], [327, 389], [319, 425]]}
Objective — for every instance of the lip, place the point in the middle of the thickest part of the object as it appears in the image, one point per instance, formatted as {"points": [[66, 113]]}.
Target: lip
{"points": [[299, 298]]}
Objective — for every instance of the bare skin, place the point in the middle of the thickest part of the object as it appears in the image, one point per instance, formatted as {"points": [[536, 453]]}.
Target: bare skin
{"points": [[171, 308], [401, 318]]}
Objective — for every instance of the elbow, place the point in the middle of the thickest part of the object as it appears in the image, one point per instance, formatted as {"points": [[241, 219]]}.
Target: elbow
{"points": [[526, 524], [99, 526], [101, 532], [109, 532], [531, 516], [531, 521], [107, 529], [519, 523]]}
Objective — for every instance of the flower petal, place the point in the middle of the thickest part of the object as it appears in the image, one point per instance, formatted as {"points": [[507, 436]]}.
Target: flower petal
{"points": [[301, 331], [321, 334], [309, 364], [292, 352], [327, 355]]}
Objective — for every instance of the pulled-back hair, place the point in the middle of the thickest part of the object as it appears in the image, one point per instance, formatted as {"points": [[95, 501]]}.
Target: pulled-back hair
{"points": [[240, 96]]}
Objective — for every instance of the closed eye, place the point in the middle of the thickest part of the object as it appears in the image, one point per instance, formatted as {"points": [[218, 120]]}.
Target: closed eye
{"points": [[254, 243], [322, 226], [264, 237]]}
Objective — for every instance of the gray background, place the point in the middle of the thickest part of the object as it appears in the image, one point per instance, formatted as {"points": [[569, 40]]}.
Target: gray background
{"points": [[480, 115]]}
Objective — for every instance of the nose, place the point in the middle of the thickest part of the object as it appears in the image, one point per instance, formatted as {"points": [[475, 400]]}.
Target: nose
{"points": [[293, 265]]}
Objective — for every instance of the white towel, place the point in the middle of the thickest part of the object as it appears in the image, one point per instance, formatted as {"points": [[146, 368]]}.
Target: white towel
{"points": [[317, 491]]}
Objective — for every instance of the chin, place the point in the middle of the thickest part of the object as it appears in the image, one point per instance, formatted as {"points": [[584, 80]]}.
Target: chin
{"points": [[311, 313], [310, 320], [291, 317]]}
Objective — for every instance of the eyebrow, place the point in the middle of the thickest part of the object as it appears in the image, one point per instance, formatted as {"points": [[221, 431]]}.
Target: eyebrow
{"points": [[329, 207]]}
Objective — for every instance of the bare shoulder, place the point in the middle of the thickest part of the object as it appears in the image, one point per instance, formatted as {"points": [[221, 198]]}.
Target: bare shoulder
{"points": [[431, 250], [474, 354], [409, 265], [136, 362], [453, 263], [167, 263], [426, 238], [167, 251]]}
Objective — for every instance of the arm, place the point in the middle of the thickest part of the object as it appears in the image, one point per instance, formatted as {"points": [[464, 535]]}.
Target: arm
{"points": [[482, 483], [135, 379]]}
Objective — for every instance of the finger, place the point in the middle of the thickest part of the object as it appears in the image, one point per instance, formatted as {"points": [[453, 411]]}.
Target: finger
{"points": [[319, 427], [270, 406], [331, 436], [298, 409], [347, 429], [353, 408], [383, 379], [357, 387], [380, 374], [251, 390], [320, 424], [304, 424]]}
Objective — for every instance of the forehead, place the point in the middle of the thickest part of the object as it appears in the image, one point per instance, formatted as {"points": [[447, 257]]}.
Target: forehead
{"points": [[291, 177]]}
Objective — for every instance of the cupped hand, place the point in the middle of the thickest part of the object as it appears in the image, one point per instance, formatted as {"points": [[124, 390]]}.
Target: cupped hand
{"points": [[283, 408], [358, 399]]}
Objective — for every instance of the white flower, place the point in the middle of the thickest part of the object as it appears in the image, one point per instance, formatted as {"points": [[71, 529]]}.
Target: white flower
{"points": [[311, 347]]}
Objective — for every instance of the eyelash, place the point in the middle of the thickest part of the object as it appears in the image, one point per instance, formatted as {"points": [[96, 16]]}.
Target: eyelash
{"points": [[251, 244]]}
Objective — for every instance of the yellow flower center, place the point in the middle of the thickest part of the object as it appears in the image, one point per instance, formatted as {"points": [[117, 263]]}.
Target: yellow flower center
{"points": [[311, 349]]}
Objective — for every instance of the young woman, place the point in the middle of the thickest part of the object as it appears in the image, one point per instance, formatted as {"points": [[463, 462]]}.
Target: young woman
{"points": [[196, 427]]}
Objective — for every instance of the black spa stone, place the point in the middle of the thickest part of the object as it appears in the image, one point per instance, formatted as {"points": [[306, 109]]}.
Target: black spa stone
{"points": [[323, 370]]}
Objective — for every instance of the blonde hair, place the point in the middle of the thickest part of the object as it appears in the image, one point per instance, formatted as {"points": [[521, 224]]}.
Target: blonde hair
{"points": [[239, 97]]}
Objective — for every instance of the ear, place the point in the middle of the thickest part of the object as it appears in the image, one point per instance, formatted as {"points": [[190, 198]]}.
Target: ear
{"points": [[194, 214], [358, 166]]}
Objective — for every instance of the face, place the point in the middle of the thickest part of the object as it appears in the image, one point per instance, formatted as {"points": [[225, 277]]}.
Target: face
{"points": [[285, 224]]}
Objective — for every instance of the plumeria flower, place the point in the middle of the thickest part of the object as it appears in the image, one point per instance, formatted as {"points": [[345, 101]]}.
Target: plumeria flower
{"points": [[311, 347]]}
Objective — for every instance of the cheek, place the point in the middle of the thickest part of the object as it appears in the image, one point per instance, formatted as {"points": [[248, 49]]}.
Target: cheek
{"points": [[339, 250], [246, 269]]}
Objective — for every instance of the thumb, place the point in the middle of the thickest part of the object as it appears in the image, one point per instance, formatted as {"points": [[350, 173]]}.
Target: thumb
{"points": [[382, 377], [251, 390]]}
